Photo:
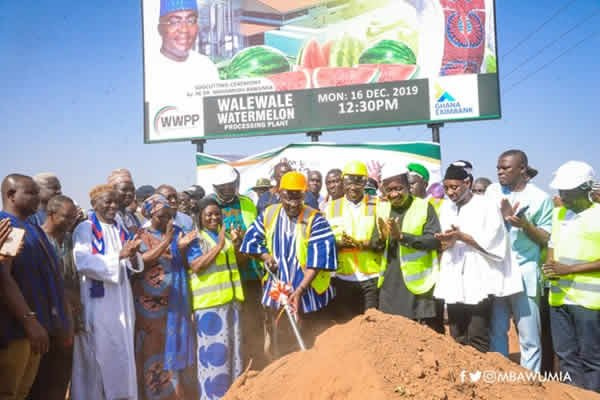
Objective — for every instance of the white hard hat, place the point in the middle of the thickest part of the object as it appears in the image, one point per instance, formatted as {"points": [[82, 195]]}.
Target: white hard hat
{"points": [[390, 170], [224, 174], [571, 175]]}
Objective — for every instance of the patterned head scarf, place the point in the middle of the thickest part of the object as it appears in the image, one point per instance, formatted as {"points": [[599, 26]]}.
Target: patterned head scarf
{"points": [[154, 204], [119, 175], [169, 6]]}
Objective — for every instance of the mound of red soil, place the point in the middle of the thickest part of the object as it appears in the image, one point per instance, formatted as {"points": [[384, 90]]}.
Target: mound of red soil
{"points": [[378, 356]]}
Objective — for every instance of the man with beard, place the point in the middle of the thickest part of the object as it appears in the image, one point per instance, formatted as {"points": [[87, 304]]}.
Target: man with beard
{"points": [[475, 263], [573, 268], [406, 285], [296, 243], [122, 182], [527, 212], [54, 373], [353, 220], [33, 305], [104, 358]]}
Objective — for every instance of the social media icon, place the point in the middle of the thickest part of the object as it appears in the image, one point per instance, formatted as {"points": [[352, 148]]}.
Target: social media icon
{"points": [[475, 376]]}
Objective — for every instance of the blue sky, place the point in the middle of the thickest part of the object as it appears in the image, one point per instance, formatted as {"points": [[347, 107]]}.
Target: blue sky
{"points": [[72, 96]]}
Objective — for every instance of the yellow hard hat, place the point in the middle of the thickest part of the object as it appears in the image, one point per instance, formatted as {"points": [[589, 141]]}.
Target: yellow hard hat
{"points": [[358, 168], [293, 180]]}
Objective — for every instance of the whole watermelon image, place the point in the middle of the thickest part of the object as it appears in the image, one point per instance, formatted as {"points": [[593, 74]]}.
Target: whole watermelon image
{"points": [[256, 61], [388, 51]]}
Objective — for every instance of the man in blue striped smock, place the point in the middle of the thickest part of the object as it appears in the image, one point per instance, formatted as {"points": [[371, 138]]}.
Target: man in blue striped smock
{"points": [[297, 244]]}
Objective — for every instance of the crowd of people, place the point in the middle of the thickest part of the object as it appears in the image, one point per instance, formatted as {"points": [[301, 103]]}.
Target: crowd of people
{"points": [[154, 293]]}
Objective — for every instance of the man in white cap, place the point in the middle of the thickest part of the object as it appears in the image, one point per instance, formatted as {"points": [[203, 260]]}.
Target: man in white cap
{"points": [[406, 284], [573, 267]]}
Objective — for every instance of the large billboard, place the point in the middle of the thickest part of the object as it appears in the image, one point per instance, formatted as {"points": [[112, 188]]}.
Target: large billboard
{"points": [[231, 68]]}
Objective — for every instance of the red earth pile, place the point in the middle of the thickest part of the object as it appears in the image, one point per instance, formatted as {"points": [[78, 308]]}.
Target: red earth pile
{"points": [[378, 356]]}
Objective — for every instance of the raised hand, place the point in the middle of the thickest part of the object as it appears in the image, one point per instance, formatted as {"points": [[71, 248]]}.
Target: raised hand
{"points": [[237, 234], [383, 228]]}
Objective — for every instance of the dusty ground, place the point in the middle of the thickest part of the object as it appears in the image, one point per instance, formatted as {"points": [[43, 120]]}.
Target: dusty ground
{"points": [[380, 356]]}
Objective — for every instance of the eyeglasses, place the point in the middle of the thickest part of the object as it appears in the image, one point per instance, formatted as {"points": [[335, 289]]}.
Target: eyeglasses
{"points": [[179, 22]]}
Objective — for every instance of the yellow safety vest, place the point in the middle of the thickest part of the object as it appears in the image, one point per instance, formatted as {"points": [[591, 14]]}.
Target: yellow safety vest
{"points": [[248, 210], [582, 245], [220, 283], [303, 224], [436, 203], [352, 260], [420, 269]]}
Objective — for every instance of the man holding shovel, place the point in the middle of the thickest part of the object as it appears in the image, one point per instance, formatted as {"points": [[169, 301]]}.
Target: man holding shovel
{"points": [[296, 243]]}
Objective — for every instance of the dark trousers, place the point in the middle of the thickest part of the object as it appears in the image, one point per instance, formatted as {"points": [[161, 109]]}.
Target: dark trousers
{"points": [[546, 331], [54, 373], [470, 324], [576, 339], [353, 298]]}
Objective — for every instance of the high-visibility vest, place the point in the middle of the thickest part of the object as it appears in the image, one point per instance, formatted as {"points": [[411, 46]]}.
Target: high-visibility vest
{"points": [[581, 245], [420, 268], [436, 203], [303, 225], [352, 260], [220, 283], [248, 210]]}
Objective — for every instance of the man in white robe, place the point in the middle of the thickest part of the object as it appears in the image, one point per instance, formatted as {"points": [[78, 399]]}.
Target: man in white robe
{"points": [[104, 358], [476, 259]]}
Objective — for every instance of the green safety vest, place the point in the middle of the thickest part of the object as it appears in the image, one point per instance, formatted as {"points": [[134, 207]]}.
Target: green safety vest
{"points": [[303, 224], [582, 245], [420, 269], [248, 210], [220, 283], [436, 203], [352, 260]]}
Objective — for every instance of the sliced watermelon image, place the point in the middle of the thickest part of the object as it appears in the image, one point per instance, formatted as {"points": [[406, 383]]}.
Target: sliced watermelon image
{"points": [[344, 76], [295, 80], [311, 55], [393, 72]]}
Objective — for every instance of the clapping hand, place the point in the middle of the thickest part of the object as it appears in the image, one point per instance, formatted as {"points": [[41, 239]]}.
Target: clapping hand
{"points": [[184, 241], [237, 234], [509, 212], [130, 247], [449, 237]]}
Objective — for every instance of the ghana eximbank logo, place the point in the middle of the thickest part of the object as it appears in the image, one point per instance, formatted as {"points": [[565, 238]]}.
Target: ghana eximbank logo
{"points": [[447, 104], [170, 118]]}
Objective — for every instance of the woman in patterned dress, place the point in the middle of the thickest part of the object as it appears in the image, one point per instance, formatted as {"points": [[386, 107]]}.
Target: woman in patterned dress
{"points": [[164, 334], [216, 300]]}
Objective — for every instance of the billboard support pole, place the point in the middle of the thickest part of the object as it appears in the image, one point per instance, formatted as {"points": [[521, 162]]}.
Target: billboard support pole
{"points": [[199, 145], [314, 135], [435, 132]]}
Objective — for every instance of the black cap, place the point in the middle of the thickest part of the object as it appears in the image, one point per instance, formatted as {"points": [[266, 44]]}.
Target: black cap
{"points": [[195, 191], [144, 191]]}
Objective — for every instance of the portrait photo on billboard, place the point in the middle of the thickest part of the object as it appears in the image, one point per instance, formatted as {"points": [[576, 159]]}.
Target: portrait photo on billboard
{"points": [[215, 67]]}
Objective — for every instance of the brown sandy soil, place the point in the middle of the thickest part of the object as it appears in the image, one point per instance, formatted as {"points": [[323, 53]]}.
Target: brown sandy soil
{"points": [[378, 356]]}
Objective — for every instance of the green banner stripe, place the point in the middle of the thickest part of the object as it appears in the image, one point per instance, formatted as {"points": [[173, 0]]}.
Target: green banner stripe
{"points": [[205, 159]]}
